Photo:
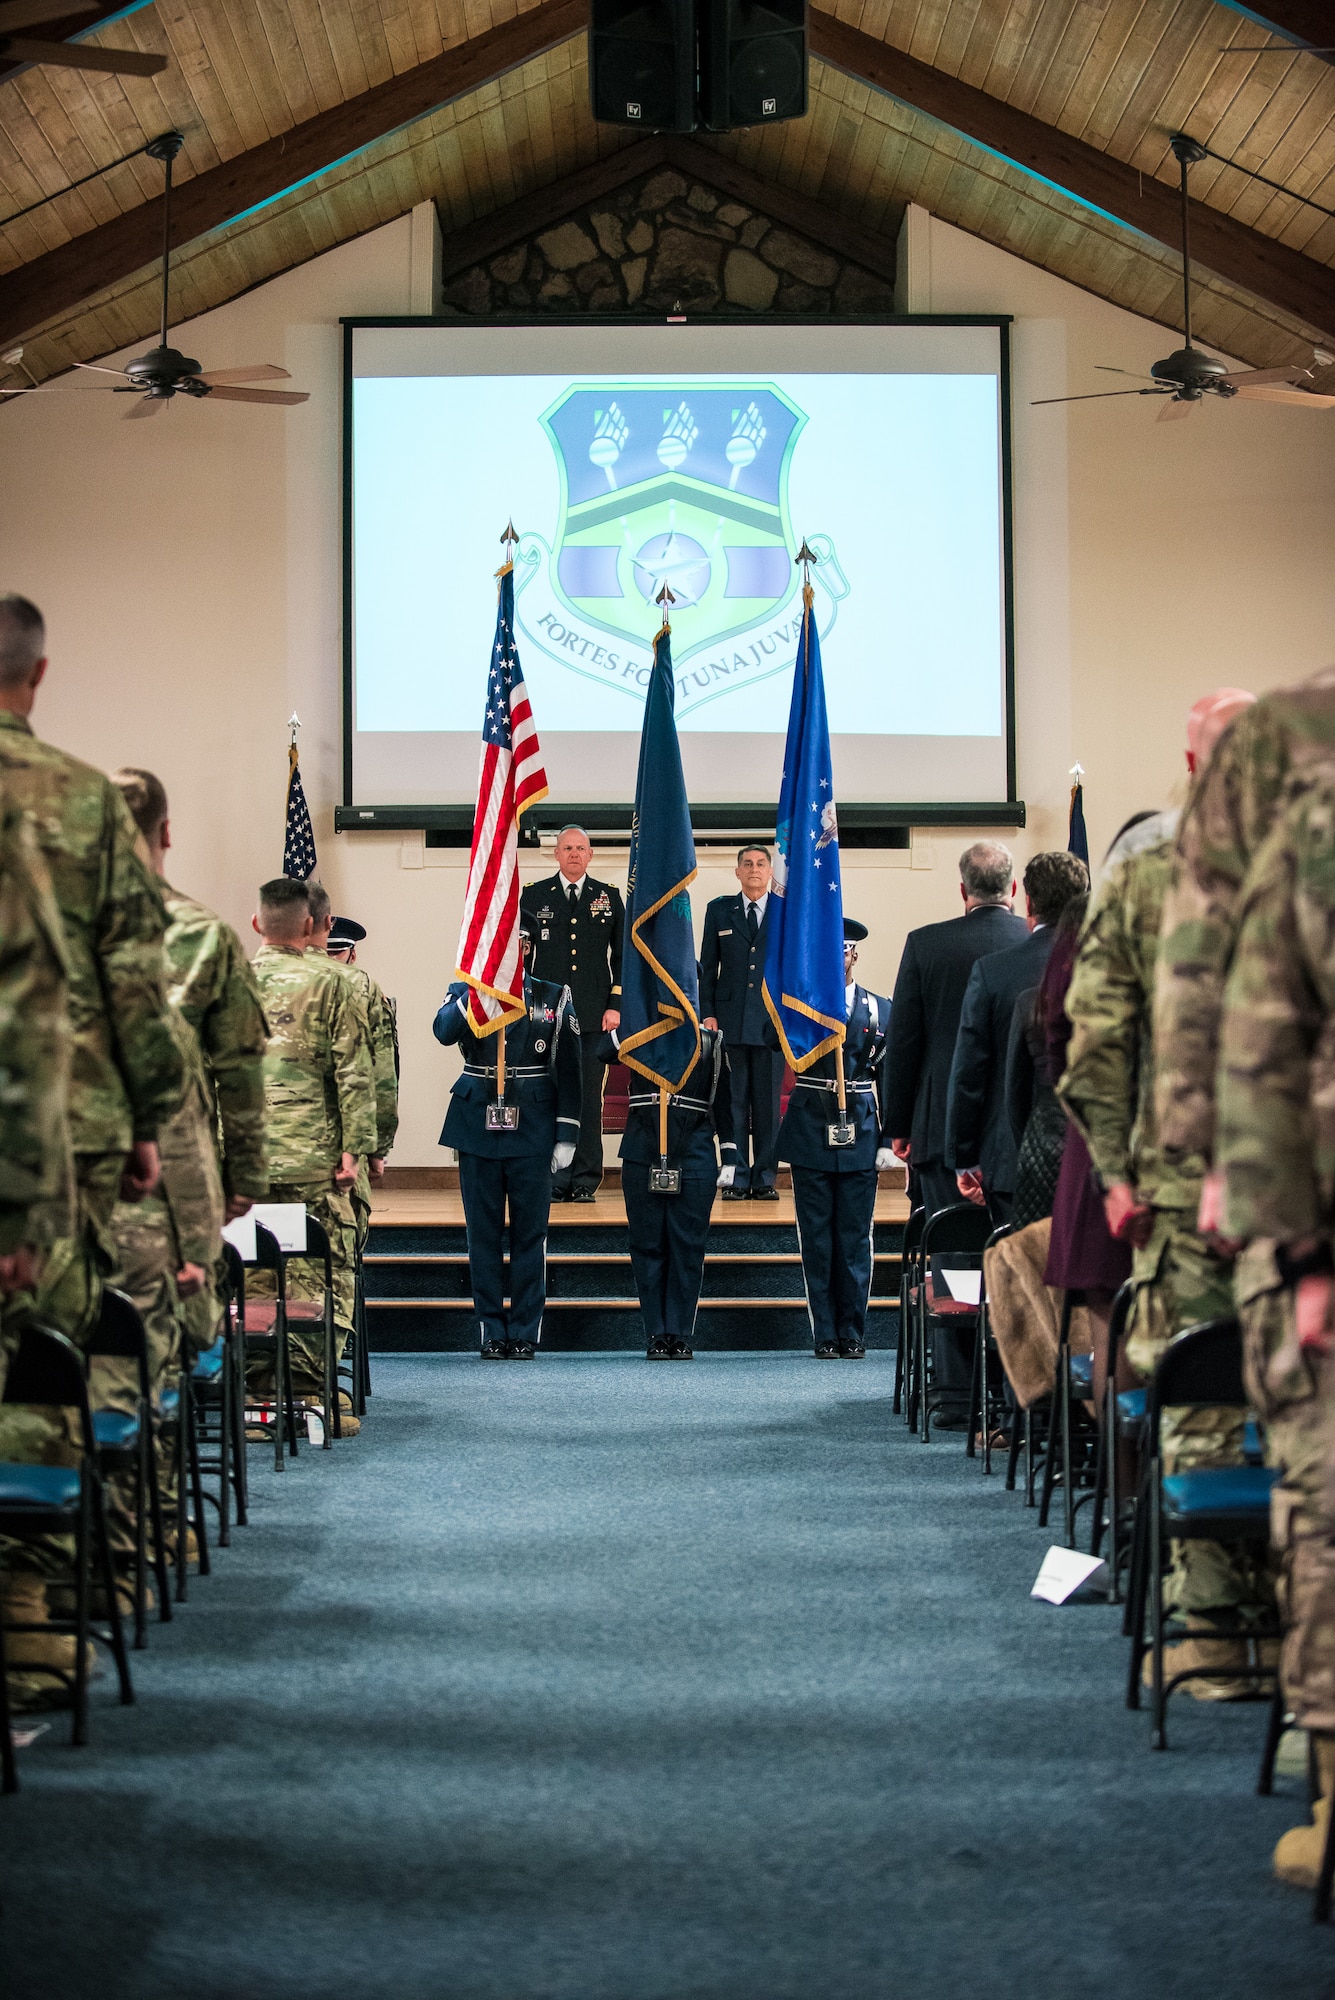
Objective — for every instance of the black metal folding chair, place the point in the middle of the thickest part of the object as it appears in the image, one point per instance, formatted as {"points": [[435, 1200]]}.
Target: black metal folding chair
{"points": [[987, 1398], [958, 1233], [1124, 1415], [1072, 1441], [124, 1443], [9, 1770], [910, 1265], [65, 1500], [265, 1330], [1229, 1503]]}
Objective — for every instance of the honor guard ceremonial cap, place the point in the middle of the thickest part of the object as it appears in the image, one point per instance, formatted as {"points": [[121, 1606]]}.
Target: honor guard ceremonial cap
{"points": [[344, 931], [854, 932]]}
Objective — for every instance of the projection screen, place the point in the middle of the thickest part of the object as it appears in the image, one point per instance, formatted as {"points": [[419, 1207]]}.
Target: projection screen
{"points": [[701, 455]]}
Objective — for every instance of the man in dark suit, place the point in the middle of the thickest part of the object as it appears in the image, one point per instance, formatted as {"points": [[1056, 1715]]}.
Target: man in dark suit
{"points": [[511, 1164], [980, 1145], [732, 971], [929, 995], [577, 925]]}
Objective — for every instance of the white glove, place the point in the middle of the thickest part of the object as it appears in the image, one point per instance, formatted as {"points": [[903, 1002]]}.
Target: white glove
{"points": [[562, 1157], [885, 1159], [726, 1177]]}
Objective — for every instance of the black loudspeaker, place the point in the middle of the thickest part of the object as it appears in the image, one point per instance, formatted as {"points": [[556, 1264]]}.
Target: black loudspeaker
{"points": [[753, 62], [642, 64]]}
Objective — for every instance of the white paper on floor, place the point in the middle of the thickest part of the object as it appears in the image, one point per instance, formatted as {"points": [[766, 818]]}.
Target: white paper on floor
{"points": [[1063, 1572], [966, 1286], [21, 1734]]}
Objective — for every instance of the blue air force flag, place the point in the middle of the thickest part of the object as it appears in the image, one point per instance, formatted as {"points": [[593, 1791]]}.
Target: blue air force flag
{"points": [[804, 966], [660, 1000]]}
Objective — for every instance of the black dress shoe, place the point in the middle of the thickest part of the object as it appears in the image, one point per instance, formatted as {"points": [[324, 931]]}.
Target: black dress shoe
{"points": [[494, 1350], [584, 1194], [765, 1194], [852, 1350], [736, 1194], [520, 1350], [658, 1350], [828, 1350], [682, 1351]]}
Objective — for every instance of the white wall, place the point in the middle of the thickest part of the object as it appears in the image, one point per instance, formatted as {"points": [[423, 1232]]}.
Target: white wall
{"points": [[189, 568]]}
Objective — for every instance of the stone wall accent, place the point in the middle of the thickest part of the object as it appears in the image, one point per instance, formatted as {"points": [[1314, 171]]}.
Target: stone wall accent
{"points": [[665, 243]]}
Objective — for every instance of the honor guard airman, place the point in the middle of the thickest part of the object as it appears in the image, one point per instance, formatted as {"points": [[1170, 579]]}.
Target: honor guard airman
{"points": [[669, 1194], [575, 926], [835, 1157], [510, 1145]]}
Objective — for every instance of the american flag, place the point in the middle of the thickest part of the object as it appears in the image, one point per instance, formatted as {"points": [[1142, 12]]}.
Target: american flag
{"points": [[511, 777], [298, 839]]}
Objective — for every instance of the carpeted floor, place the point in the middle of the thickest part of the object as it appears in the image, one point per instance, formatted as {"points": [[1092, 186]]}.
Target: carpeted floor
{"points": [[595, 1681]]}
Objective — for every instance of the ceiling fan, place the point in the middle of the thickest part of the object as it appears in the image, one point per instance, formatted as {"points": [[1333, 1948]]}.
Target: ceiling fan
{"points": [[164, 372], [1188, 375], [21, 48]]}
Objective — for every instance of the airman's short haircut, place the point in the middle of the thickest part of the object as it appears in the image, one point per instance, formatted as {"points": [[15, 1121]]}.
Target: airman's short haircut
{"points": [[1050, 881], [146, 797], [987, 870], [22, 638]]}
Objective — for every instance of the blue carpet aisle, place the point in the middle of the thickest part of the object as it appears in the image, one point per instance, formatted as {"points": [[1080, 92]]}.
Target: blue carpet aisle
{"points": [[592, 1681]]}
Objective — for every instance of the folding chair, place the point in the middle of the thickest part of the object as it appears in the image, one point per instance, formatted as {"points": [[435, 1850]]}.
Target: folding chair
{"points": [[234, 1330], [9, 1773], [217, 1391], [64, 1500], [124, 1443], [909, 1269], [959, 1231], [985, 1403], [1124, 1414], [1228, 1503], [265, 1330], [357, 1365], [1072, 1434]]}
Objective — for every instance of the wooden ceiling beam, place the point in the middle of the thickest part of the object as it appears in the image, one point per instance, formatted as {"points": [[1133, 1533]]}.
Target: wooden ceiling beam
{"points": [[1309, 23], [477, 242], [71, 28], [1243, 256], [61, 279]]}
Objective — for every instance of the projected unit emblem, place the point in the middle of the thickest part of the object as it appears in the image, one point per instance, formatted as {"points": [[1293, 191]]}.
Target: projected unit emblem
{"points": [[681, 484]]}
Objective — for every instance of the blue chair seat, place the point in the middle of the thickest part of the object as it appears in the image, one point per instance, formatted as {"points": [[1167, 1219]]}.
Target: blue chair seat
{"points": [[39, 1486], [209, 1366], [1253, 1447], [1132, 1405], [115, 1430], [169, 1404], [1242, 1491], [1082, 1374]]}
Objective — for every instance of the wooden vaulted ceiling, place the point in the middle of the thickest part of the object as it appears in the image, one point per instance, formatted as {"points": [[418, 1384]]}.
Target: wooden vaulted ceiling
{"points": [[1039, 125]]}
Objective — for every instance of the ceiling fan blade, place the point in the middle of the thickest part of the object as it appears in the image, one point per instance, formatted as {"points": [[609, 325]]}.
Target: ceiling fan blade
{"points": [[147, 406], [32, 13], [1097, 396], [96, 368], [1303, 397], [1176, 408], [262, 371], [1132, 373], [230, 395], [83, 55], [1256, 378]]}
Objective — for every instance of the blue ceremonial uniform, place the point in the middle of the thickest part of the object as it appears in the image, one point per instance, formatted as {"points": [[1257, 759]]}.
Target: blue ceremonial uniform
{"points": [[542, 1077], [668, 1232], [834, 1187]]}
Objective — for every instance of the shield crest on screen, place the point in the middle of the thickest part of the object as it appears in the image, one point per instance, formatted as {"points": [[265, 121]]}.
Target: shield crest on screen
{"points": [[684, 484]]}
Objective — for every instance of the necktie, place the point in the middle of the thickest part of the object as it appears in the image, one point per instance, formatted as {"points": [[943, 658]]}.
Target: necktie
{"points": [[571, 896], [752, 922]]}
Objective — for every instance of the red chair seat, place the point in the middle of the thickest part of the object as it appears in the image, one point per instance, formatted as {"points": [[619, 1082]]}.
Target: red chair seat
{"points": [[942, 1306], [262, 1313]]}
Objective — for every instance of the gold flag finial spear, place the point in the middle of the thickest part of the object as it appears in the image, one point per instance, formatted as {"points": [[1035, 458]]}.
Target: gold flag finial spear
{"points": [[508, 532], [509, 541], [806, 557], [666, 597], [294, 724]]}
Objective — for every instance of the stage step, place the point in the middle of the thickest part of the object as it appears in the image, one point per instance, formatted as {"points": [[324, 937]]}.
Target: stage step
{"points": [[418, 1297]]}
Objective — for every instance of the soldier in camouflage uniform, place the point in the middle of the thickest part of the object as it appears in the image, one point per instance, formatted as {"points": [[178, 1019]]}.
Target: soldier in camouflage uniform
{"points": [[320, 1096], [382, 1043], [126, 1073], [1275, 1149], [1179, 1278], [1271, 756]]}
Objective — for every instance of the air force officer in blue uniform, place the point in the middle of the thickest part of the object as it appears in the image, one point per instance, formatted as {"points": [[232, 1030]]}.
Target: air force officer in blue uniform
{"points": [[834, 1186], [732, 973], [514, 1166], [668, 1230]]}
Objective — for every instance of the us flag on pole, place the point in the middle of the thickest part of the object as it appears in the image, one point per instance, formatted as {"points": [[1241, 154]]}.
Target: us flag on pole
{"points": [[298, 838], [511, 778]]}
